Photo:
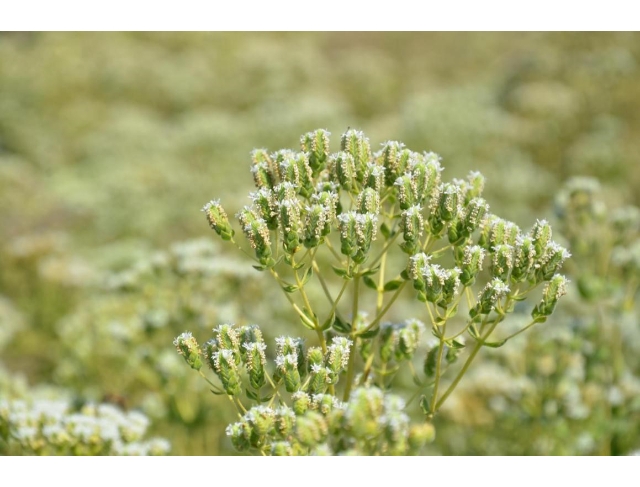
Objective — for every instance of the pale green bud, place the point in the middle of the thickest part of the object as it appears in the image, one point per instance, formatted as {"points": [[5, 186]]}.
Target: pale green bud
{"points": [[255, 360], [374, 177], [420, 435], [311, 428], [450, 286], [489, 297], [369, 201], [306, 175], [262, 420], [316, 144], [552, 292], [408, 339], [407, 191], [288, 168], [315, 224], [301, 402], [363, 411], [266, 207], [315, 357], [319, 380], [541, 235], [356, 143], [551, 261], [338, 355], [285, 421], [228, 339], [285, 191], [425, 172], [257, 232], [292, 346], [390, 158], [502, 261], [412, 225], [417, 263], [434, 277], [188, 347], [281, 449], [524, 259], [288, 368], [471, 264], [388, 340], [344, 167], [475, 187], [209, 349], [263, 169], [291, 225], [227, 371], [218, 220], [240, 434]]}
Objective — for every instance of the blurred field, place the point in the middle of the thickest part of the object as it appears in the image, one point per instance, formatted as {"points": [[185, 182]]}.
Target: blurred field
{"points": [[110, 144]]}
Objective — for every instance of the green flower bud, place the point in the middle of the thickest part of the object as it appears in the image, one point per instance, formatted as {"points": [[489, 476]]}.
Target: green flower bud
{"points": [[263, 169], [315, 357], [374, 177], [551, 260], [408, 340], [390, 156], [344, 168], [325, 403], [489, 297], [288, 368], [417, 264], [449, 202], [473, 215], [541, 235], [285, 421], [420, 435], [425, 172], [471, 264], [388, 340], [209, 349], [357, 231], [475, 187], [338, 356], [266, 207], [450, 286], [257, 232], [240, 434], [288, 168], [228, 339], [291, 225], [218, 219], [369, 201], [311, 428], [434, 277], [306, 175], [502, 261], [355, 143], [319, 380], [315, 224], [250, 334], [255, 361], [262, 420], [552, 292], [407, 191], [524, 259], [412, 225], [316, 144], [227, 371], [363, 412], [329, 201], [281, 449], [454, 352], [188, 347], [431, 362], [301, 402], [285, 191], [292, 346]]}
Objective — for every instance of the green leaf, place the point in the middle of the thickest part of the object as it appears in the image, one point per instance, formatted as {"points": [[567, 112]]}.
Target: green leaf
{"points": [[341, 326], [495, 344], [290, 288], [405, 275], [299, 266], [424, 405], [221, 393], [455, 344], [328, 322], [344, 273], [370, 333], [370, 283], [392, 285], [267, 398], [370, 271], [385, 231], [307, 275], [259, 267], [307, 323], [251, 395]]}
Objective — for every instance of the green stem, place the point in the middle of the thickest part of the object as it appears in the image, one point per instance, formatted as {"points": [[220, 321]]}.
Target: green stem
{"points": [[386, 308], [352, 353], [436, 383]]}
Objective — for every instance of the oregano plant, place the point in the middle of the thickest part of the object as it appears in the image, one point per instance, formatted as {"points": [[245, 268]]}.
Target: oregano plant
{"points": [[367, 228]]}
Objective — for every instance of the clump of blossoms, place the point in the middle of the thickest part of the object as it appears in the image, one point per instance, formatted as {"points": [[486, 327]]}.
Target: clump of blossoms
{"points": [[385, 223], [52, 427]]}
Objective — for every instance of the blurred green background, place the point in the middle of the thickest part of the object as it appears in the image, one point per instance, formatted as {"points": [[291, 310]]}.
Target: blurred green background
{"points": [[110, 143]]}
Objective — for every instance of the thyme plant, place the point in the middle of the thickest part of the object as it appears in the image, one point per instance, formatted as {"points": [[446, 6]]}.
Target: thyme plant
{"points": [[386, 224]]}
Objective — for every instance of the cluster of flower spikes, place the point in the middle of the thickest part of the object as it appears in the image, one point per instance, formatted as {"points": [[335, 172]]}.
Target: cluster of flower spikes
{"points": [[52, 427], [319, 424], [237, 349], [301, 196]]}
